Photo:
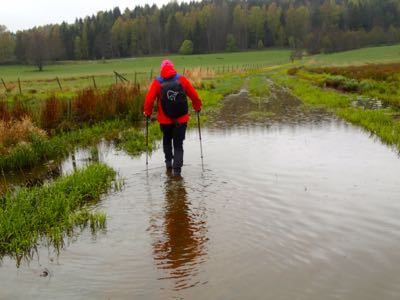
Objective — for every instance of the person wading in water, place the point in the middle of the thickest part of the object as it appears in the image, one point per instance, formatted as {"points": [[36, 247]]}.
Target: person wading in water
{"points": [[171, 91]]}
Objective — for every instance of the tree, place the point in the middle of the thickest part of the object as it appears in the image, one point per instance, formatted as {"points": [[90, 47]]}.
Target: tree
{"points": [[7, 45], [78, 48], [274, 14], [55, 44], [186, 48], [297, 24], [240, 24], [260, 44], [172, 32], [38, 52], [231, 45], [257, 20]]}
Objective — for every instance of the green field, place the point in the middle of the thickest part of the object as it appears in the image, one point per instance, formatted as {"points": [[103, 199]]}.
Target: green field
{"points": [[77, 75], [384, 54], [74, 75]]}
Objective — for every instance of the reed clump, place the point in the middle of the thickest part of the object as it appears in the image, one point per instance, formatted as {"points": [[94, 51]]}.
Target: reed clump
{"points": [[200, 77], [52, 211], [91, 106], [18, 132]]}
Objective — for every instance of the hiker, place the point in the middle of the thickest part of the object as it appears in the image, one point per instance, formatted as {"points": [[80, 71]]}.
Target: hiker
{"points": [[171, 89]]}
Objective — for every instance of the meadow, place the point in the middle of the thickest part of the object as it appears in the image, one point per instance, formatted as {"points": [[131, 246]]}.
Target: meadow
{"points": [[79, 74], [382, 54]]}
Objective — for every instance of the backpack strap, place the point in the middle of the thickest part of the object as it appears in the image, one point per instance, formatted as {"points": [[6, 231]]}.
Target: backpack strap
{"points": [[161, 80]]}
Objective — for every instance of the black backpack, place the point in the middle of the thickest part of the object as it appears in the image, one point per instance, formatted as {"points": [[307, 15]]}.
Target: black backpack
{"points": [[173, 97]]}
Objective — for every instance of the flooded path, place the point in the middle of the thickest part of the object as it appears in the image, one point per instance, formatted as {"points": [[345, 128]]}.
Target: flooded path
{"points": [[297, 205]]}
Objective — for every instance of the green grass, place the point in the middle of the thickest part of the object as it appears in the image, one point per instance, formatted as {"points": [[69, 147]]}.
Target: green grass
{"points": [[379, 122], [143, 64], [73, 75], [356, 57], [133, 140], [382, 122], [52, 211], [310, 94], [258, 86]]}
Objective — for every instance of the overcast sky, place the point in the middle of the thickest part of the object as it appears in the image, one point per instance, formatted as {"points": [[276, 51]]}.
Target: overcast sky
{"points": [[24, 14]]}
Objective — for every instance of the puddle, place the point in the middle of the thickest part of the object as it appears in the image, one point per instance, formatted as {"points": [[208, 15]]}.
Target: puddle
{"points": [[299, 205], [368, 103]]}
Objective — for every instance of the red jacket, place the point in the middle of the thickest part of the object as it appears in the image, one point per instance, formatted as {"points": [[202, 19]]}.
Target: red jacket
{"points": [[155, 93]]}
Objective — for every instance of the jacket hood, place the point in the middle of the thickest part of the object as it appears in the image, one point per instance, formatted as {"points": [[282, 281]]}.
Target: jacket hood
{"points": [[168, 71]]}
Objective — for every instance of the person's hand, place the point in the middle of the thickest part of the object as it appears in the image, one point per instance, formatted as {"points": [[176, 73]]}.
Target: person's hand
{"points": [[146, 116]]}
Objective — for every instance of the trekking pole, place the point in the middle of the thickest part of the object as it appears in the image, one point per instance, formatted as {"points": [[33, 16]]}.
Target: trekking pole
{"points": [[201, 145], [147, 141]]}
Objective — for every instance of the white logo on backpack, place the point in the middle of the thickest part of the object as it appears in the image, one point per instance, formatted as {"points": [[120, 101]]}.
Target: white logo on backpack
{"points": [[171, 95]]}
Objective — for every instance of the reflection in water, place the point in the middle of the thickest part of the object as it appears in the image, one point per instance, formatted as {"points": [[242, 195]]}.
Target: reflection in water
{"points": [[179, 247]]}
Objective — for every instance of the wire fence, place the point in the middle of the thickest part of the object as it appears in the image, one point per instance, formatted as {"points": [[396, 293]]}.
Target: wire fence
{"points": [[138, 78]]}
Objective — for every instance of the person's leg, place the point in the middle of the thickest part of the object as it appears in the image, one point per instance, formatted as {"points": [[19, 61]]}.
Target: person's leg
{"points": [[167, 130], [179, 134]]}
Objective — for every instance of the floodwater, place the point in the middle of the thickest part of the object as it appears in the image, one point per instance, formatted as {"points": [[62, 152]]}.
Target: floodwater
{"points": [[299, 205]]}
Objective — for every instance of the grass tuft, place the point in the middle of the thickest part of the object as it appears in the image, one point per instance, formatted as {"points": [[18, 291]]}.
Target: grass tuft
{"points": [[52, 211]]}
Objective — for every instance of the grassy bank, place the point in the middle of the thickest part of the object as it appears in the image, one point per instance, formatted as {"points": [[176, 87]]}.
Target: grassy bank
{"points": [[42, 148], [375, 81], [51, 211], [382, 122]]}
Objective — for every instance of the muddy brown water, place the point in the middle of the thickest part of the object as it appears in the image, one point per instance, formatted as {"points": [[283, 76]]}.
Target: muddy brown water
{"points": [[299, 205]]}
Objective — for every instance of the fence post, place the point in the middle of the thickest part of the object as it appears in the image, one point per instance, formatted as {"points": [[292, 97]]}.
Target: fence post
{"points": [[59, 83], [19, 86], [4, 85], [94, 82], [69, 109]]}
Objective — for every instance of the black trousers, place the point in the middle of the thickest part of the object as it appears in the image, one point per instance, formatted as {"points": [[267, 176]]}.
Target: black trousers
{"points": [[174, 134]]}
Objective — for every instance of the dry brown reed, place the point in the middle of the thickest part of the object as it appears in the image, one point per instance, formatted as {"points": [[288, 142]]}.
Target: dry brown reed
{"points": [[380, 72], [15, 132], [198, 75], [87, 107], [51, 113]]}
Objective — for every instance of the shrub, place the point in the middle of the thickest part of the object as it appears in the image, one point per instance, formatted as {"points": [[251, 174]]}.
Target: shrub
{"points": [[342, 83], [231, 43], [186, 48]]}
